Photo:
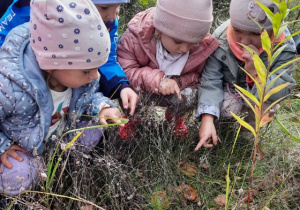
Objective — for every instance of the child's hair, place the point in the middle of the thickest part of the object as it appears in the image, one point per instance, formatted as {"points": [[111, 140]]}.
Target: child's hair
{"points": [[68, 34], [187, 21], [110, 1], [243, 12]]}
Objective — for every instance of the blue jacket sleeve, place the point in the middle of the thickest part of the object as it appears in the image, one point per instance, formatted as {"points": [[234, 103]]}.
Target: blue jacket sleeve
{"points": [[16, 14], [112, 75]]}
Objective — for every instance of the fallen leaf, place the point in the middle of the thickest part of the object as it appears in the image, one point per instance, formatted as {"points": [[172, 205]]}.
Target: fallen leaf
{"points": [[199, 203], [189, 193], [220, 200], [245, 199], [237, 178], [89, 207], [205, 166], [139, 174], [295, 119], [266, 119], [188, 169], [160, 200]]}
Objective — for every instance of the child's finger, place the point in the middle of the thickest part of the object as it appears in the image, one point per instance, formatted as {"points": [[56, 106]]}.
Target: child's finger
{"points": [[5, 162], [133, 103], [18, 148], [125, 102], [15, 155], [103, 121], [208, 145], [201, 143], [215, 139], [177, 90], [116, 121]]}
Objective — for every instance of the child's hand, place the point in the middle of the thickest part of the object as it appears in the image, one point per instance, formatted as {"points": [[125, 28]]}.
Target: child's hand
{"points": [[129, 99], [249, 63], [207, 130], [109, 112], [11, 152], [169, 86]]}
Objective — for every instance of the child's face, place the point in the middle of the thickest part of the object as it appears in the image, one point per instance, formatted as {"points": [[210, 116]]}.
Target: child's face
{"points": [[108, 11], [175, 46], [247, 38], [73, 78]]}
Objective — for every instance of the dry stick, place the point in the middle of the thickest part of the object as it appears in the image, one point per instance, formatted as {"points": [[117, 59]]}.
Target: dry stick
{"points": [[71, 198], [115, 91]]}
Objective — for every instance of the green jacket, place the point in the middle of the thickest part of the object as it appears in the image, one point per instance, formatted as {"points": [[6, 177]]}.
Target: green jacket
{"points": [[222, 71]]}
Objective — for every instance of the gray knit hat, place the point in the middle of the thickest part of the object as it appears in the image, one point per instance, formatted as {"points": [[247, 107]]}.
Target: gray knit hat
{"points": [[188, 21], [240, 10]]}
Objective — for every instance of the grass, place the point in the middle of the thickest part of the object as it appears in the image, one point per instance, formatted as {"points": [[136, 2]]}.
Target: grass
{"points": [[126, 175]]}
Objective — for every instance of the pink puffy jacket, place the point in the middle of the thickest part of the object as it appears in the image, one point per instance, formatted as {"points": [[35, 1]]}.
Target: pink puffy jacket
{"points": [[137, 51]]}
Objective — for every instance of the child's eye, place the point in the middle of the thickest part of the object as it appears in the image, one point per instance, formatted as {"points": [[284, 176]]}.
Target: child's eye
{"points": [[177, 42], [104, 8], [86, 72], [255, 34]]}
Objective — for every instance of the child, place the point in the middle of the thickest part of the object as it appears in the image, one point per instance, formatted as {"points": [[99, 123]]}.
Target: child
{"points": [[112, 75], [113, 79], [222, 68], [163, 52], [12, 14], [48, 79]]}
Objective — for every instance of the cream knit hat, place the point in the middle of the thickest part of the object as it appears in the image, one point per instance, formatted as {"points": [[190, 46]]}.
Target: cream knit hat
{"points": [[187, 21], [110, 1], [68, 34], [240, 10]]}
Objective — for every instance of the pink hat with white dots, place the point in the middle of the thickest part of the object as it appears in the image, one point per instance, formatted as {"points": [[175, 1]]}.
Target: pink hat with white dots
{"points": [[68, 34]]}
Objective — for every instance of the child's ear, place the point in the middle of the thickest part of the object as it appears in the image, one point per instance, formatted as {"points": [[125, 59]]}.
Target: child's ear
{"points": [[157, 34], [48, 71]]}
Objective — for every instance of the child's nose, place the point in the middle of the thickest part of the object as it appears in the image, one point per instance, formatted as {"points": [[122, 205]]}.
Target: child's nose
{"points": [[113, 14], [184, 48], [245, 41], [94, 74]]}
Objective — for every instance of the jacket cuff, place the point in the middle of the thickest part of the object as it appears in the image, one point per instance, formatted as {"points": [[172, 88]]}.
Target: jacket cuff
{"points": [[207, 109]]}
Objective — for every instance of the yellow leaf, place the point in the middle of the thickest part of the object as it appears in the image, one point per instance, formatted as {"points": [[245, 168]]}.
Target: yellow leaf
{"points": [[261, 70], [266, 43], [243, 123], [275, 90], [248, 94]]}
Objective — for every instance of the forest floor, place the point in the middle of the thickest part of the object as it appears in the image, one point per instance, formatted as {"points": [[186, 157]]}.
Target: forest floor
{"points": [[157, 171]]}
